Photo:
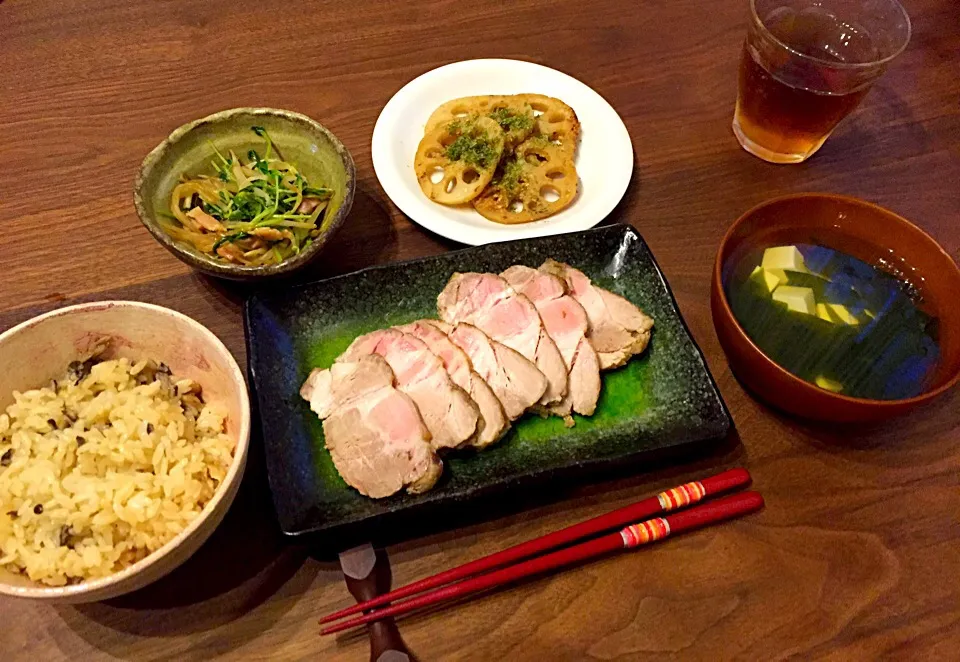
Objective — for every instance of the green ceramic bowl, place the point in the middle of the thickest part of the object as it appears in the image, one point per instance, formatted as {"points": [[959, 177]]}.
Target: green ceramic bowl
{"points": [[315, 151]]}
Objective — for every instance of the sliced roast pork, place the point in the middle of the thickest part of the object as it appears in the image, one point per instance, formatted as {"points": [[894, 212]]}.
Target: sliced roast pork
{"points": [[618, 329], [489, 303], [374, 432], [493, 421], [447, 410], [566, 324], [515, 380]]}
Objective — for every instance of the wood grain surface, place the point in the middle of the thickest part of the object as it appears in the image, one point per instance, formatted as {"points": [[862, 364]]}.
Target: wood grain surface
{"points": [[857, 555]]}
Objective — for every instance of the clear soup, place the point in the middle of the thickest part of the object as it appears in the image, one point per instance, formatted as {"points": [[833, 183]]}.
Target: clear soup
{"points": [[839, 322]]}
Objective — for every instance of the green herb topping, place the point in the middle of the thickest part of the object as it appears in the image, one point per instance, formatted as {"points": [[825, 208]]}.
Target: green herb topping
{"points": [[474, 147], [509, 120], [510, 175]]}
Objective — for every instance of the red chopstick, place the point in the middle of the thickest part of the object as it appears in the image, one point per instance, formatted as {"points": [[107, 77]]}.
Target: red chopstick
{"points": [[633, 536], [672, 499]]}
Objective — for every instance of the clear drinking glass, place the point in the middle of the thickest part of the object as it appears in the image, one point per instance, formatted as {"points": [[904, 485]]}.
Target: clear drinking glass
{"points": [[806, 64]]}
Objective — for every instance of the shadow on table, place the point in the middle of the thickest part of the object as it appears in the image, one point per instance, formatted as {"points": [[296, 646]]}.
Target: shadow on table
{"points": [[243, 564], [884, 120], [367, 237], [920, 428], [659, 470], [630, 200], [924, 424], [657, 473]]}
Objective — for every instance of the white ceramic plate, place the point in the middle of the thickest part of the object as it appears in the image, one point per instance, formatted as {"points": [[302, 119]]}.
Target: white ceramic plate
{"points": [[604, 159]]}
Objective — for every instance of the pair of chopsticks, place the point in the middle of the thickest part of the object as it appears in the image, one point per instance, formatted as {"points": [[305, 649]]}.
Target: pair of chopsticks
{"points": [[640, 530]]}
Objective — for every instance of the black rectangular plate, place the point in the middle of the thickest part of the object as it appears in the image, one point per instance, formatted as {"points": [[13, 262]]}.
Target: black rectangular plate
{"points": [[664, 400]]}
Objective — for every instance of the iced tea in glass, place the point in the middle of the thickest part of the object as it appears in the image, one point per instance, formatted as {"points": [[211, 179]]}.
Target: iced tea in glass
{"points": [[806, 64]]}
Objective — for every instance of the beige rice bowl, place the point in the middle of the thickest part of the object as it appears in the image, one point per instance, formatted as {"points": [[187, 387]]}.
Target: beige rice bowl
{"points": [[114, 458]]}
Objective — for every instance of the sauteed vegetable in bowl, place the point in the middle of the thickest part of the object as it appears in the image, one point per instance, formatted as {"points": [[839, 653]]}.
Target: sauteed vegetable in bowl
{"points": [[246, 192]]}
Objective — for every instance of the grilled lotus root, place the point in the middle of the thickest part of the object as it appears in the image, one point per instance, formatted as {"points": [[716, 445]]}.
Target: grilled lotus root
{"points": [[457, 160], [516, 118], [461, 108], [512, 113], [555, 119], [537, 180]]}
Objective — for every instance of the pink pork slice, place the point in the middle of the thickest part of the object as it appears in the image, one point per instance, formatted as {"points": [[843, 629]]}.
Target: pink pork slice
{"points": [[447, 410], [515, 380], [489, 303], [493, 422], [374, 432], [618, 329], [566, 323]]}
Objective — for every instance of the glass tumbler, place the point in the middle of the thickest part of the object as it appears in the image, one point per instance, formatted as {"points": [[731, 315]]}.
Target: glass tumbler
{"points": [[806, 64]]}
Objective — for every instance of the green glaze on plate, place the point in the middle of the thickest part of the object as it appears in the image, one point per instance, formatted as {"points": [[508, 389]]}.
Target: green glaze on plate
{"points": [[316, 153], [663, 399]]}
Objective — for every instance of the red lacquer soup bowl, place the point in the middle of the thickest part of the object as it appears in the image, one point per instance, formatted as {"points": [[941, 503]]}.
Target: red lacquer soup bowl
{"points": [[865, 231]]}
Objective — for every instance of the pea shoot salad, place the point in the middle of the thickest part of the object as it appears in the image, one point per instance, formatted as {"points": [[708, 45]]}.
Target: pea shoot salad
{"points": [[255, 212]]}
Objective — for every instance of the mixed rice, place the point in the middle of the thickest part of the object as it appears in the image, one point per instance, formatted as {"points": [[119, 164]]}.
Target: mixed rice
{"points": [[104, 466]]}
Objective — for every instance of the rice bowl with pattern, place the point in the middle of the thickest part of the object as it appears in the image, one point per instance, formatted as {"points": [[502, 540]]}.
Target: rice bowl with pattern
{"points": [[123, 436]]}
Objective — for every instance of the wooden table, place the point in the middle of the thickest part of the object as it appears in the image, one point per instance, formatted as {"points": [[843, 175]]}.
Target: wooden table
{"points": [[857, 555]]}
